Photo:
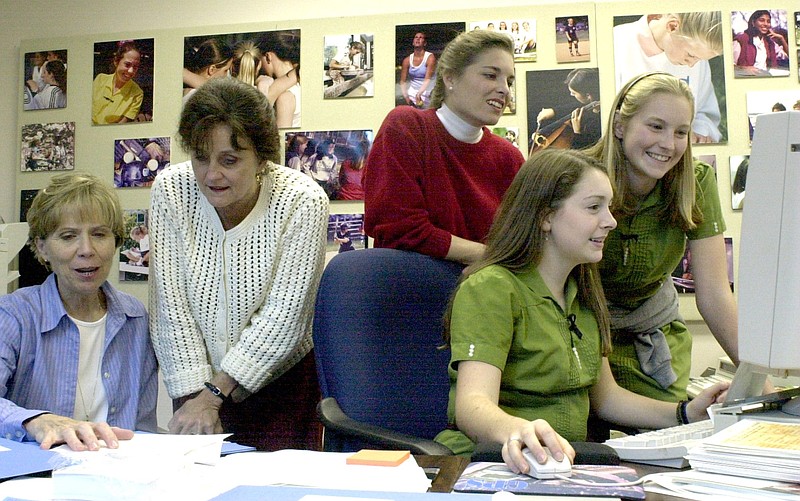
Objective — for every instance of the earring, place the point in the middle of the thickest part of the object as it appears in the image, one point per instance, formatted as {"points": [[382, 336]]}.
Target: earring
{"points": [[451, 87]]}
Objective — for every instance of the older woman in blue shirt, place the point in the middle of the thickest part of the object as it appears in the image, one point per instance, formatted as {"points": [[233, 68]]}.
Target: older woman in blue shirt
{"points": [[76, 362]]}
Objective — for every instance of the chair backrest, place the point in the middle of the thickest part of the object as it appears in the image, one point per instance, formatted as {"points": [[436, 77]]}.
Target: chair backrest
{"points": [[377, 326]]}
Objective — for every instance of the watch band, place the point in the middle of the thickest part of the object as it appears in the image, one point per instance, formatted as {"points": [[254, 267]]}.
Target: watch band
{"points": [[216, 391]]}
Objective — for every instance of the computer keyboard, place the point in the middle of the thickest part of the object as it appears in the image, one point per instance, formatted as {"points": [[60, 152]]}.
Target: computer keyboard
{"points": [[666, 447]]}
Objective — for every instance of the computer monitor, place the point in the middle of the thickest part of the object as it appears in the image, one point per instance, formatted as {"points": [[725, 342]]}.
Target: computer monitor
{"points": [[769, 256], [12, 238]]}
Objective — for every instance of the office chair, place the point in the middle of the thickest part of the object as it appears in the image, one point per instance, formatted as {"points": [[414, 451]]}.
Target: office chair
{"points": [[377, 325]]}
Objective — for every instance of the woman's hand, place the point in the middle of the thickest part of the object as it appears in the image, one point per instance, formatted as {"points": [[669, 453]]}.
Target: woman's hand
{"points": [[698, 138], [535, 435], [575, 119], [197, 416], [696, 409], [51, 429]]}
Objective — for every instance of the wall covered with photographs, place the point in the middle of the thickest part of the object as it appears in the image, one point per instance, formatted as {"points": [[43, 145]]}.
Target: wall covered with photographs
{"points": [[569, 57]]}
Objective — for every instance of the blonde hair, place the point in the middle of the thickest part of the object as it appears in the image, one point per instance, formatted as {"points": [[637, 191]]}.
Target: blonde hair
{"points": [[246, 62], [679, 182], [704, 26], [78, 193]]}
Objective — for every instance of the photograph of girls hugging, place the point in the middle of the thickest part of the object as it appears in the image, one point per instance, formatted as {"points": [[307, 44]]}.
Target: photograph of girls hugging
{"points": [[268, 60]]}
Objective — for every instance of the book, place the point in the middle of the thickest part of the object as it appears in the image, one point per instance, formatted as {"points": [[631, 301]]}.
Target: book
{"points": [[371, 457], [607, 481]]}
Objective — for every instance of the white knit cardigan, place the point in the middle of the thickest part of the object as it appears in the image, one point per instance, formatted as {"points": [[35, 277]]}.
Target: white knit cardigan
{"points": [[241, 300]]}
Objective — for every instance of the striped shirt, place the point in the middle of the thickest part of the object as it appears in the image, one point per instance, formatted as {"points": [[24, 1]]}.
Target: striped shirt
{"points": [[39, 348]]}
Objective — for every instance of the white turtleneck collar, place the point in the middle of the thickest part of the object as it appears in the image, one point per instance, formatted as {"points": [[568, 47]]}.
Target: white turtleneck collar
{"points": [[457, 127]]}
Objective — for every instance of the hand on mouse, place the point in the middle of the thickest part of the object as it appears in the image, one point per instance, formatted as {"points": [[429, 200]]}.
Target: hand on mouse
{"points": [[535, 435]]}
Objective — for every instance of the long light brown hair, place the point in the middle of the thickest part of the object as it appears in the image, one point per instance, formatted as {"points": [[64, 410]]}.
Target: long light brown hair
{"points": [[516, 238]]}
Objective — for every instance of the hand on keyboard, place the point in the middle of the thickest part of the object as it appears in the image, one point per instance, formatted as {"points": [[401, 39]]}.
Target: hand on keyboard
{"points": [[665, 447]]}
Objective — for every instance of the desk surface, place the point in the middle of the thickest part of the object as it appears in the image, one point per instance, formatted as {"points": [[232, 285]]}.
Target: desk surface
{"points": [[449, 469]]}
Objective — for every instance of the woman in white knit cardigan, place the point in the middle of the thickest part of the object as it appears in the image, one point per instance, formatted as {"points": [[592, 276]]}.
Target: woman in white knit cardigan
{"points": [[237, 250]]}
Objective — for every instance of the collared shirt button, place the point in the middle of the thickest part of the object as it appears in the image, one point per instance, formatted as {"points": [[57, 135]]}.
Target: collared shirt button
{"points": [[112, 410], [20, 434], [107, 375]]}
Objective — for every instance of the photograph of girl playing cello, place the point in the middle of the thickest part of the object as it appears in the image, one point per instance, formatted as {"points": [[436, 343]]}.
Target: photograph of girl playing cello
{"points": [[556, 120]]}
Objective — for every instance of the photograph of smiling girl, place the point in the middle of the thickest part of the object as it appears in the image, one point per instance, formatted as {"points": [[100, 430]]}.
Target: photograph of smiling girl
{"points": [[760, 43], [417, 48], [122, 90], [687, 45]]}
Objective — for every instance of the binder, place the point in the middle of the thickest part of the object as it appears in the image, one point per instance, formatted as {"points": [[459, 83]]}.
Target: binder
{"points": [[23, 458]]}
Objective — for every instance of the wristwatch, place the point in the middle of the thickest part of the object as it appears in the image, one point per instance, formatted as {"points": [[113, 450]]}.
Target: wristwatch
{"points": [[216, 391]]}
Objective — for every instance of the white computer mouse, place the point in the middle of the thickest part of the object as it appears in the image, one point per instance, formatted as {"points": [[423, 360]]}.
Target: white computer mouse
{"points": [[550, 469]]}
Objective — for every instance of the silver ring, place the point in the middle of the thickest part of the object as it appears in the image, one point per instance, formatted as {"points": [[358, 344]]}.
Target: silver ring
{"points": [[517, 439]]}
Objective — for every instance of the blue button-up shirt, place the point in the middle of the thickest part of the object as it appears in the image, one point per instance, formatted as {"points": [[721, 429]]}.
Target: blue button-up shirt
{"points": [[39, 347]]}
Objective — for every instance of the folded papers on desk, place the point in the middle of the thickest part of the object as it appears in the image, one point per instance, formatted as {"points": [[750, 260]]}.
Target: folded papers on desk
{"points": [[145, 467]]}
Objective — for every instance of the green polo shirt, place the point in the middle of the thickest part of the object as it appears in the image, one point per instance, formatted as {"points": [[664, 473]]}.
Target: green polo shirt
{"points": [[654, 250], [512, 322]]}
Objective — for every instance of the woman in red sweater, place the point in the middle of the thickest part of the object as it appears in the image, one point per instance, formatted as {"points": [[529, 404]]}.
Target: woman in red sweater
{"points": [[435, 177]]}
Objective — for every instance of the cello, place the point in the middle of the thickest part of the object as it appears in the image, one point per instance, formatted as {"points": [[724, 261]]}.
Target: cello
{"points": [[558, 134]]}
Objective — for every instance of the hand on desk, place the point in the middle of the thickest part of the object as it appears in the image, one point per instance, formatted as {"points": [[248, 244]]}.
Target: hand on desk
{"points": [[51, 429], [197, 416]]}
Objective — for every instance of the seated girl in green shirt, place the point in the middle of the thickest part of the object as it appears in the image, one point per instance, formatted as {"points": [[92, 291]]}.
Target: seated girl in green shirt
{"points": [[528, 326]]}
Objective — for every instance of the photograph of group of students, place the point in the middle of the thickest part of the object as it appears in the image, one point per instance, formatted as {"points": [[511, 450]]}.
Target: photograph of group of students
{"points": [[267, 60], [122, 86], [348, 63], [45, 85], [521, 31], [48, 146], [334, 159]]}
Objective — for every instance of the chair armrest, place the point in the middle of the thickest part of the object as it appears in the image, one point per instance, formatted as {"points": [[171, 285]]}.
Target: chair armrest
{"points": [[335, 419]]}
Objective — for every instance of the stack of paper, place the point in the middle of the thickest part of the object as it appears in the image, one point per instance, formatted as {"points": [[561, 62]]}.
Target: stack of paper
{"points": [[145, 467], [691, 484], [752, 448]]}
